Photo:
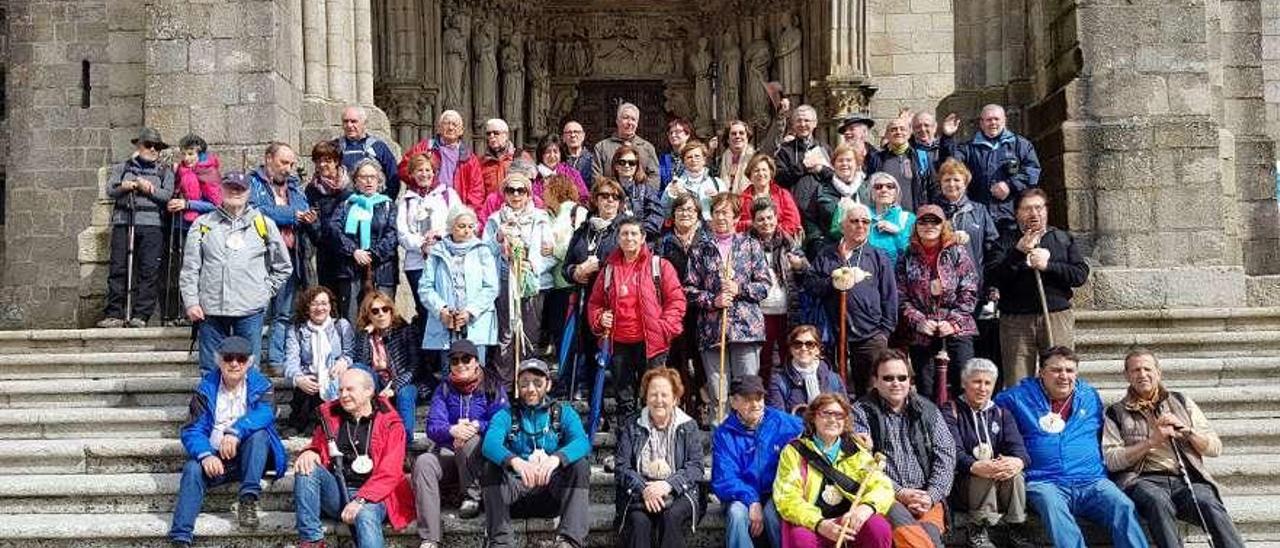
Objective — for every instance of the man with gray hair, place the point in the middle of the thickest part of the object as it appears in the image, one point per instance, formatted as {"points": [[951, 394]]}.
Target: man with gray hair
{"points": [[804, 154], [459, 166], [627, 122], [1003, 163], [356, 144], [498, 153]]}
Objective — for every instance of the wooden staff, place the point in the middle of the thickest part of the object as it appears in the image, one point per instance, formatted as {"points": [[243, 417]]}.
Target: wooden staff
{"points": [[876, 465], [724, 337]]}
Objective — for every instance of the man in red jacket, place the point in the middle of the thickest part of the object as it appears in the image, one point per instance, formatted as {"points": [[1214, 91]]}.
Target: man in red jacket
{"points": [[459, 166], [371, 437], [640, 307]]}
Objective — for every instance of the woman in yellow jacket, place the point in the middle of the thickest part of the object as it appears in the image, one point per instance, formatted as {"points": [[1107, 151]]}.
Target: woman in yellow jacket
{"points": [[812, 505]]}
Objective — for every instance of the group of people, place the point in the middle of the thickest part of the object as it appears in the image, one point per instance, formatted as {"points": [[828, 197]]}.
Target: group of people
{"points": [[800, 300]]}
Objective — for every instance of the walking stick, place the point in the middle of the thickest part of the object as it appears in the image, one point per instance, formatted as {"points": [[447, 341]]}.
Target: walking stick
{"points": [[1044, 307], [843, 279], [876, 465], [941, 361], [724, 340], [175, 252], [337, 458], [128, 278]]}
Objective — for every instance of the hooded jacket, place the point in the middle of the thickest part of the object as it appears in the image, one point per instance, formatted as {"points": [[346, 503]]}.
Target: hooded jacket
{"points": [[259, 416], [297, 348], [687, 473], [388, 483], [419, 214], [750, 270], [384, 244], [661, 317], [789, 221], [468, 181], [200, 186], [1070, 457], [1008, 157], [225, 263], [975, 221], [798, 485], [957, 298], [480, 282], [993, 425], [146, 207], [535, 228], [872, 303], [745, 461]]}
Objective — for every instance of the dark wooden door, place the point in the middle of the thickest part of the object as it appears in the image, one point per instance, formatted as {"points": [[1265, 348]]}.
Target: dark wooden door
{"points": [[597, 106]]}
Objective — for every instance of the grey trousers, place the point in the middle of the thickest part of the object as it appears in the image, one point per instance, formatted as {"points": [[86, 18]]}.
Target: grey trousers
{"points": [[567, 491], [1024, 336], [987, 498], [464, 467], [741, 359]]}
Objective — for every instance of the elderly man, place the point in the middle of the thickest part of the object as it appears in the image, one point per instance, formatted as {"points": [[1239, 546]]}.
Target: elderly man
{"points": [[1154, 443], [910, 430], [804, 154], [627, 122], [371, 439], [275, 191], [899, 159], [1004, 164], [745, 460], [576, 152], [855, 130], [233, 262], [537, 451], [230, 435], [356, 144], [459, 167], [1034, 250], [140, 186], [498, 153], [1060, 418], [872, 301]]}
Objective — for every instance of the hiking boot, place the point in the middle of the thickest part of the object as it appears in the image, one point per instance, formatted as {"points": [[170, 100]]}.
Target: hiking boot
{"points": [[1020, 536], [247, 514], [979, 537], [470, 509], [136, 323], [609, 463], [111, 323]]}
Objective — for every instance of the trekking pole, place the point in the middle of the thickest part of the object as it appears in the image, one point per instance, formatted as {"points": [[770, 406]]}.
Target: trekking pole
{"points": [[1044, 307], [337, 458], [723, 389], [175, 252], [1186, 478], [128, 279]]}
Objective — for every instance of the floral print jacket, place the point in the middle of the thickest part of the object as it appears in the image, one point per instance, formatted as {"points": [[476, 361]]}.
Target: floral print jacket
{"points": [[957, 293], [750, 270]]}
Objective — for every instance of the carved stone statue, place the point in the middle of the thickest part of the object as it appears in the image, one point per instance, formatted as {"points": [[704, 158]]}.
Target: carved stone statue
{"points": [[700, 73], [755, 100], [730, 74], [513, 82], [790, 64], [485, 88], [455, 61], [563, 104], [539, 87], [676, 104]]}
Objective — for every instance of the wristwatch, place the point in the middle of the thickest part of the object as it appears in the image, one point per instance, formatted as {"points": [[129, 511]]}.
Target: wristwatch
{"points": [[360, 500]]}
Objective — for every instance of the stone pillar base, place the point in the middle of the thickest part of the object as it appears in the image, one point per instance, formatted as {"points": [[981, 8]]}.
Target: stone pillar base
{"points": [[1143, 288]]}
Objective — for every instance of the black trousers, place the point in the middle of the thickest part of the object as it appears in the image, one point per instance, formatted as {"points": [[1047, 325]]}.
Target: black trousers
{"points": [[148, 248], [628, 364], [1162, 500], [641, 528]]}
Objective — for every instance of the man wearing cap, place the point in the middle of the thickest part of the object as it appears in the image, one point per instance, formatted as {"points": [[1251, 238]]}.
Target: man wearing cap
{"points": [[745, 460], [854, 129], [1003, 163], [229, 436], [537, 452], [234, 260], [461, 409], [141, 187], [804, 153]]}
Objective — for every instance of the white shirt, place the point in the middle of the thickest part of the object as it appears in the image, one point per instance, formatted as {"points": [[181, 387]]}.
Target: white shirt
{"points": [[232, 404]]}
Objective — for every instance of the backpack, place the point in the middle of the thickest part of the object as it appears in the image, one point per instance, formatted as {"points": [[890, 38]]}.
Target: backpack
{"points": [[259, 226], [655, 264]]}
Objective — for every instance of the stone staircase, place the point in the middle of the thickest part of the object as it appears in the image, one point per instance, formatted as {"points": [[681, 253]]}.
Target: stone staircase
{"points": [[90, 457]]}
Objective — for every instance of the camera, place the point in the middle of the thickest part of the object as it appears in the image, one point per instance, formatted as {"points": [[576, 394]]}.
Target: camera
{"points": [[1011, 167]]}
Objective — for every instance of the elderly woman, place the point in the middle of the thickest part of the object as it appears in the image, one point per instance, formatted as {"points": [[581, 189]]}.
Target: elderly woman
{"points": [[549, 152], [317, 349], [989, 456], [760, 171], [388, 347], [784, 257], [696, 180], [728, 277], [737, 150], [686, 232], [827, 486], [937, 290], [971, 222], [329, 189], [364, 228], [592, 242], [420, 219], [822, 197], [518, 230], [640, 197], [671, 162], [659, 467], [459, 286], [808, 376], [890, 224]]}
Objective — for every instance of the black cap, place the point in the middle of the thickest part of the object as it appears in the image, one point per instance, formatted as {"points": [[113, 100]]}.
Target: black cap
{"points": [[747, 385], [235, 178], [535, 365], [149, 135], [855, 118], [235, 346], [463, 348]]}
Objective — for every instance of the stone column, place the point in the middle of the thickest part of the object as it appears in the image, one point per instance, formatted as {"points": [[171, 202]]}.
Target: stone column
{"points": [[341, 53], [314, 48], [364, 51], [839, 49]]}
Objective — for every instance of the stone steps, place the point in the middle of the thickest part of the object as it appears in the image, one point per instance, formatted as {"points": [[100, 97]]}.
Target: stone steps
{"points": [[1180, 319], [1189, 372], [1099, 345], [97, 365], [95, 340], [90, 422]]}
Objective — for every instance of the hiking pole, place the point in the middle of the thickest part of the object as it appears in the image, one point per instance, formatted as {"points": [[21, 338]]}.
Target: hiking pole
{"points": [[1186, 478], [1044, 307], [876, 465], [723, 389], [128, 278], [174, 250], [337, 458]]}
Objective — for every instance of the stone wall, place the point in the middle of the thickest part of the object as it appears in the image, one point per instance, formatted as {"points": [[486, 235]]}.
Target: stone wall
{"points": [[910, 49], [4, 128]]}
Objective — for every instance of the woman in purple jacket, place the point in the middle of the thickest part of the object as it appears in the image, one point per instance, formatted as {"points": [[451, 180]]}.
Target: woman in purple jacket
{"points": [[460, 411]]}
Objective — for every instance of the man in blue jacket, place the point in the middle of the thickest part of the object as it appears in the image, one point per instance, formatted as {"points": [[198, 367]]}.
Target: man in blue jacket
{"points": [[1004, 164], [537, 453], [745, 460], [356, 143], [229, 436], [1060, 418]]}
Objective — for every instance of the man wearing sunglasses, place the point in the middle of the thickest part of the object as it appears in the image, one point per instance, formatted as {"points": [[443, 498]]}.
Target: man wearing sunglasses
{"points": [[229, 436], [498, 154], [921, 453], [627, 122]]}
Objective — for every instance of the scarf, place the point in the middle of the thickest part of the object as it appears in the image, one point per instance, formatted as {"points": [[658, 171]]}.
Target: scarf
{"points": [[1134, 401], [810, 375], [331, 186], [850, 189], [544, 171], [360, 216], [448, 162], [656, 460], [378, 352], [320, 349], [463, 385], [898, 150], [832, 452], [930, 254], [457, 254]]}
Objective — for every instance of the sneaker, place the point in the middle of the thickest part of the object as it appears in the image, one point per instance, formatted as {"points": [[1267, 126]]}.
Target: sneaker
{"points": [[137, 322], [247, 514], [1020, 536], [470, 509], [609, 463], [111, 323], [979, 537], [427, 544]]}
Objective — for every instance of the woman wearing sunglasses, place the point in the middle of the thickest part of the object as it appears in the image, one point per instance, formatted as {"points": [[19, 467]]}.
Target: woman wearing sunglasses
{"points": [[388, 347], [518, 233], [458, 288], [640, 195], [890, 224], [794, 387]]}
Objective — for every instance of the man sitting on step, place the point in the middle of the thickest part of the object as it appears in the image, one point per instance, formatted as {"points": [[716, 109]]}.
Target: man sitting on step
{"points": [[371, 438], [229, 436], [1154, 443], [537, 453]]}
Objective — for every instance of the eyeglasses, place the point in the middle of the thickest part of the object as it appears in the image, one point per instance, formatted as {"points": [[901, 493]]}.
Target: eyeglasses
{"points": [[804, 344], [863, 222], [879, 186], [832, 415], [147, 145], [892, 378], [464, 225], [930, 221], [380, 310], [461, 360], [487, 133], [626, 163], [533, 384], [516, 190], [686, 211], [235, 358], [608, 196]]}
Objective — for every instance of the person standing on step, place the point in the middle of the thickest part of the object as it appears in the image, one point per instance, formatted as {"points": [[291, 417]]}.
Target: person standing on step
{"points": [[233, 262], [1154, 442], [357, 144], [368, 432], [537, 451], [141, 187], [230, 435], [274, 189]]}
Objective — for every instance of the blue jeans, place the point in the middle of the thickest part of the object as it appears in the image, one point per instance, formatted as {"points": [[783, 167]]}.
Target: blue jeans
{"points": [[247, 468], [215, 328], [405, 400], [281, 316], [1100, 502], [316, 495], [737, 526]]}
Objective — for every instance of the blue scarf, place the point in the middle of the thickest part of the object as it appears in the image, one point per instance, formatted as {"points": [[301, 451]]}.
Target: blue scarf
{"points": [[360, 216]]}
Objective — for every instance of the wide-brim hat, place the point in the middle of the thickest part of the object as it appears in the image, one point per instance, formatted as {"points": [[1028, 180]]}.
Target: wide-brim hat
{"points": [[149, 135], [855, 118]]}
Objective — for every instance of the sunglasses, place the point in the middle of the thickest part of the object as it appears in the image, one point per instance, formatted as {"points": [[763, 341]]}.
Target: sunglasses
{"points": [[626, 163], [859, 221], [804, 344], [608, 196], [235, 358], [494, 132], [932, 221], [380, 310], [515, 190], [531, 384], [879, 186], [892, 378], [460, 360]]}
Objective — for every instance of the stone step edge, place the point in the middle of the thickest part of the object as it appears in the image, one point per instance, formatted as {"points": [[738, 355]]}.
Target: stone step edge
{"points": [[94, 334], [1166, 314], [98, 358]]}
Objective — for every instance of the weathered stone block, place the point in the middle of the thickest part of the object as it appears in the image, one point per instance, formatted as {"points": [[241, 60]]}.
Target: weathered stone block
{"points": [[252, 123], [1190, 93], [244, 55], [1237, 16], [210, 122], [907, 22], [202, 56], [1242, 49], [125, 47], [931, 6], [915, 63], [1125, 288], [1186, 133], [1126, 210], [167, 56], [1261, 256], [1120, 94]]}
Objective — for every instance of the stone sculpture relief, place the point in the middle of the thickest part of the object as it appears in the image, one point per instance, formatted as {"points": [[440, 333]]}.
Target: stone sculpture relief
{"points": [[790, 63], [539, 86], [485, 88], [730, 74], [701, 74], [755, 100], [455, 60], [513, 81]]}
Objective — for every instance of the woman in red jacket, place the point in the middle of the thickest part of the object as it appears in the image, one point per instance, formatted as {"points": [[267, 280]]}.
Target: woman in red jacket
{"points": [[760, 171], [640, 307]]}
